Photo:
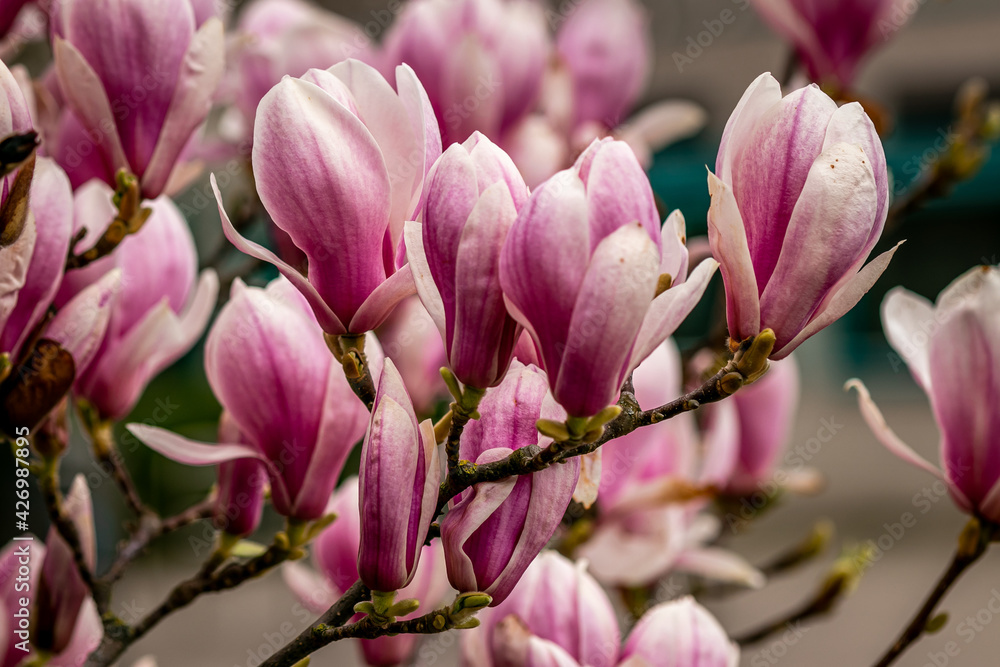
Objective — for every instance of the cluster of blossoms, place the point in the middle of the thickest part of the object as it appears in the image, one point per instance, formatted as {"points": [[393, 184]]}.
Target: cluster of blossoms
{"points": [[467, 194]]}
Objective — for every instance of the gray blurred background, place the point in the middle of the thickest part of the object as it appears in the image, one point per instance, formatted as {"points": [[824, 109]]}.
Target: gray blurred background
{"points": [[867, 490]]}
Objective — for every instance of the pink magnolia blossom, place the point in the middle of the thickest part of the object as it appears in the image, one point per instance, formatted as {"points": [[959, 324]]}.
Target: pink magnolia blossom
{"points": [[335, 557], [799, 199], [557, 601], [494, 530], [159, 310], [64, 620], [32, 267], [473, 194], [339, 162], [951, 348], [581, 270], [481, 61], [269, 366], [288, 37], [766, 411], [832, 38], [399, 478], [683, 630], [139, 77], [606, 46]]}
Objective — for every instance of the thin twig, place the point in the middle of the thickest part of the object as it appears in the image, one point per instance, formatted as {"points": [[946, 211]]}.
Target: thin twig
{"points": [[151, 530], [117, 637], [973, 543], [108, 455]]}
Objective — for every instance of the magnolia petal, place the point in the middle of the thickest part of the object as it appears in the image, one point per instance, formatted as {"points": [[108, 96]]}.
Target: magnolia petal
{"points": [[79, 326], [199, 76], [761, 95], [482, 327], [720, 565], [589, 483], [425, 128], [190, 452], [838, 303], [544, 260], [613, 299], [670, 309], [388, 466], [674, 256], [876, 422], [156, 341], [909, 320], [427, 290], [327, 319], [661, 124], [728, 238], [385, 117], [85, 92], [383, 300], [51, 202], [827, 232], [466, 516], [15, 261]]}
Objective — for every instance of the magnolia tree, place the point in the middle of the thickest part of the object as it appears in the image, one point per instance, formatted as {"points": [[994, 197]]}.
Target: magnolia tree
{"points": [[477, 290]]}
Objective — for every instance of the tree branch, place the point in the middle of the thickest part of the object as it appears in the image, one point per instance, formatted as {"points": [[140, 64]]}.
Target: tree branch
{"points": [[118, 637], [972, 544]]}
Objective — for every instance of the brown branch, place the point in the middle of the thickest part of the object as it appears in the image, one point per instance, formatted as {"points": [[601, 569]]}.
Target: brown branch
{"points": [[118, 637], [150, 530], [107, 454], [973, 543], [314, 637]]}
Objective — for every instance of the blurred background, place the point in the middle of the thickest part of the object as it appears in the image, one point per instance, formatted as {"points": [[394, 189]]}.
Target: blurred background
{"points": [[914, 77]]}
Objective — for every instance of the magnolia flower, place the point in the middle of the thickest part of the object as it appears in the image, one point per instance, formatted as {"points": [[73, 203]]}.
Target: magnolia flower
{"points": [[557, 601], [335, 557], [495, 529], [473, 195], [399, 478], [799, 199], [339, 161], [953, 351], [269, 366], [606, 46], [683, 630], [832, 38], [139, 77], [158, 312], [64, 624], [654, 486], [481, 61], [33, 265], [765, 412], [276, 38], [594, 279]]}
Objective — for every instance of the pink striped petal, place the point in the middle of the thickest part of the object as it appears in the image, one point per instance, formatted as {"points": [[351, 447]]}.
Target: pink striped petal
{"points": [[728, 238]]}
